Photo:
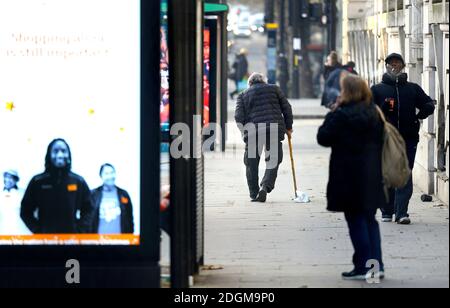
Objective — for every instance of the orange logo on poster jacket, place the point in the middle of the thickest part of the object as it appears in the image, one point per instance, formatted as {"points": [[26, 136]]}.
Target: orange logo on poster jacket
{"points": [[72, 187]]}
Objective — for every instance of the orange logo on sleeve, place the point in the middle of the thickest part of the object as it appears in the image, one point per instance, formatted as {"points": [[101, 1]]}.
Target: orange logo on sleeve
{"points": [[72, 187], [124, 200]]}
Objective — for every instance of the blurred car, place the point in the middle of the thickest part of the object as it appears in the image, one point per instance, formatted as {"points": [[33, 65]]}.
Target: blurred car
{"points": [[257, 23], [242, 31], [243, 26]]}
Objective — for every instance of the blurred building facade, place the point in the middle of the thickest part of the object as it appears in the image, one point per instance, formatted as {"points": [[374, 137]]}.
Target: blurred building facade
{"points": [[419, 30], [306, 32]]}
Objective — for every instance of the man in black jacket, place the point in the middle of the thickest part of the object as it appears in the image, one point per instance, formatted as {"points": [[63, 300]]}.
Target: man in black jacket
{"points": [[54, 198], [400, 100], [264, 116]]}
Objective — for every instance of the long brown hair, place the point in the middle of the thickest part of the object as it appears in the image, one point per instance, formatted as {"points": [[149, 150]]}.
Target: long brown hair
{"points": [[355, 89], [334, 58]]}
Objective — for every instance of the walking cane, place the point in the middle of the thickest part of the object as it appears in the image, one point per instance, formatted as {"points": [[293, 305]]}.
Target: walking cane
{"points": [[300, 197]]}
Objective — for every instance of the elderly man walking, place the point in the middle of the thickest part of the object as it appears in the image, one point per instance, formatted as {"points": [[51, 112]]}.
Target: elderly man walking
{"points": [[264, 116]]}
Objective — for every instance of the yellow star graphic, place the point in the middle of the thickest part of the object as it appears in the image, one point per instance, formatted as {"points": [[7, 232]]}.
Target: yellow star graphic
{"points": [[10, 106]]}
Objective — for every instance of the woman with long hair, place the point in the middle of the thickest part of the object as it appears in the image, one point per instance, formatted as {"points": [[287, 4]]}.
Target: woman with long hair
{"points": [[354, 131]]}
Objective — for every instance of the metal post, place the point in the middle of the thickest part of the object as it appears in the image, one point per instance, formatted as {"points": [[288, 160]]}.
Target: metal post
{"points": [[224, 77], [282, 18], [186, 70], [332, 25], [295, 19]]}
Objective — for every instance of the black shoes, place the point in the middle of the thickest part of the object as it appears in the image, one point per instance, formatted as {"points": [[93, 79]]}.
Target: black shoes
{"points": [[362, 276], [404, 221], [262, 196], [354, 275]]}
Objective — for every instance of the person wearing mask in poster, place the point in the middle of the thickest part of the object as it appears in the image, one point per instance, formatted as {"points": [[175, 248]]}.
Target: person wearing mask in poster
{"points": [[400, 100], [114, 210], [10, 198], [58, 201]]}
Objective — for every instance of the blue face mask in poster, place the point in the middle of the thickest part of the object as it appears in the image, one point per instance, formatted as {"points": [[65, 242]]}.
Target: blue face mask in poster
{"points": [[70, 122]]}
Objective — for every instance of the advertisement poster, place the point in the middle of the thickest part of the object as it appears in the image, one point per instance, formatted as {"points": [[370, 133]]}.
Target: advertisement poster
{"points": [[206, 76], [70, 122], [164, 69]]}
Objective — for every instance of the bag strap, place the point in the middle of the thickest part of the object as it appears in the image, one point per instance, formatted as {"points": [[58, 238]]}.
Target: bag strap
{"points": [[381, 113]]}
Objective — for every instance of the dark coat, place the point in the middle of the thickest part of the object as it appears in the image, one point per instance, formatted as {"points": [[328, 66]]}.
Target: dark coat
{"points": [[329, 69], [326, 75], [399, 99], [355, 134], [126, 207], [58, 198], [332, 88], [240, 68], [264, 104]]}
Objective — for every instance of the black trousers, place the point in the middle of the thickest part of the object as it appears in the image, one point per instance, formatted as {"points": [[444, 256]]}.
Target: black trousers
{"points": [[273, 157], [366, 239], [399, 199]]}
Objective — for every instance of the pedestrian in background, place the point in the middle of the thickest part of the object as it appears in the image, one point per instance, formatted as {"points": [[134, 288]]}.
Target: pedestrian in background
{"points": [[331, 65], [399, 100], [354, 131], [240, 71], [283, 76], [350, 67], [332, 90], [262, 105]]}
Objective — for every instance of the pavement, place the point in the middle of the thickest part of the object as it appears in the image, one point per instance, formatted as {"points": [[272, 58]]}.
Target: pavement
{"points": [[285, 244]]}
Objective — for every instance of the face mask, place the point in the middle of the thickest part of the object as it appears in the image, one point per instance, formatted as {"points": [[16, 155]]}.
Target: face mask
{"points": [[393, 72]]}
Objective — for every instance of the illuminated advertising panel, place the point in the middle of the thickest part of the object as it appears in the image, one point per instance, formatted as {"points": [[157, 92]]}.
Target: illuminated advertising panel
{"points": [[206, 76], [70, 122]]}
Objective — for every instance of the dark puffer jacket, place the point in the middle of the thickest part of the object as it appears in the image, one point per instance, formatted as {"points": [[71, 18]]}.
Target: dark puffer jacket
{"points": [[355, 134], [264, 104], [399, 100]]}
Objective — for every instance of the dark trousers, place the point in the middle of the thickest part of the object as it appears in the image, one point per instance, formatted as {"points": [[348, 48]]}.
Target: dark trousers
{"points": [[252, 165], [399, 198], [366, 239]]}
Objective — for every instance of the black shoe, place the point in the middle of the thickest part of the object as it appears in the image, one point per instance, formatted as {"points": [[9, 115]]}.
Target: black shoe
{"points": [[354, 275], [404, 221], [253, 197], [262, 196]]}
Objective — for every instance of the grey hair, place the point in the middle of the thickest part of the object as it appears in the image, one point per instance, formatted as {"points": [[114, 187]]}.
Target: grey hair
{"points": [[256, 78]]}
